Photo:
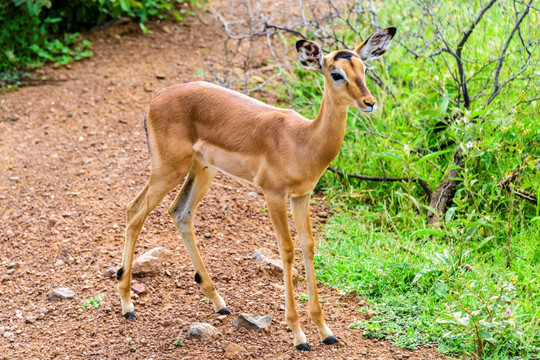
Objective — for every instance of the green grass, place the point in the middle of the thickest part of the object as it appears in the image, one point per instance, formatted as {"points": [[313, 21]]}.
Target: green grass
{"points": [[469, 287], [94, 302]]}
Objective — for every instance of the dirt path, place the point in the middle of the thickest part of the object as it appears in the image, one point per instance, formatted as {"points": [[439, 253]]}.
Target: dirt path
{"points": [[72, 154]]}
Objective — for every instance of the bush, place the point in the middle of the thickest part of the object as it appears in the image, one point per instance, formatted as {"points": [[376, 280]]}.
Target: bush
{"points": [[39, 31]]}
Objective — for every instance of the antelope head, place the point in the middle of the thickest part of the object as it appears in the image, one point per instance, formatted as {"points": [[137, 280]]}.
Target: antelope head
{"points": [[344, 70]]}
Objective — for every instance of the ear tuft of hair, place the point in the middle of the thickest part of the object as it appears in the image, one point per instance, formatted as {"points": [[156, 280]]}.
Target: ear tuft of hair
{"points": [[391, 31]]}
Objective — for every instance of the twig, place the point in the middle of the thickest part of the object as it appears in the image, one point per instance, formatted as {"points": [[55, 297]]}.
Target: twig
{"points": [[422, 183]]}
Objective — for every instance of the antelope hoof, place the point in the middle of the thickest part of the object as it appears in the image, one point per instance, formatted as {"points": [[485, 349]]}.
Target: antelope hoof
{"points": [[130, 315], [224, 311], [330, 340], [304, 347]]}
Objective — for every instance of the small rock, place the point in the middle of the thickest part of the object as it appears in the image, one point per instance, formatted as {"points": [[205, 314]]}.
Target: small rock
{"points": [[30, 319], [208, 235], [370, 313], [146, 266], [202, 330], [258, 295], [14, 265], [61, 294], [262, 253], [59, 263], [160, 252], [233, 351], [167, 323], [168, 273], [6, 278], [10, 271], [252, 195], [274, 267], [323, 214], [160, 76], [40, 316], [110, 273], [14, 117], [252, 321], [138, 288], [8, 334]]}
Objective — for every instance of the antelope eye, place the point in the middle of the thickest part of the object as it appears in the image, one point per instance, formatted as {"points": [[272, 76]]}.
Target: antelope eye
{"points": [[336, 76]]}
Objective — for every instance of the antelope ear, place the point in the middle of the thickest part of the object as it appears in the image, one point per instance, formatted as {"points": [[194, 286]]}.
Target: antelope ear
{"points": [[376, 45], [310, 55]]}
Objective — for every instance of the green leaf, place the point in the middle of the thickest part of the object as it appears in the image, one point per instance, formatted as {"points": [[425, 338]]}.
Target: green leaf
{"points": [[428, 232], [125, 5], [449, 214], [422, 273], [486, 336], [431, 156], [388, 155]]}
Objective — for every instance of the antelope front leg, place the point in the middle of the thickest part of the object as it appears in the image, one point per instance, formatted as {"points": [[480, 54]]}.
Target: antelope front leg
{"points": [[300, 210], [277, 207]]}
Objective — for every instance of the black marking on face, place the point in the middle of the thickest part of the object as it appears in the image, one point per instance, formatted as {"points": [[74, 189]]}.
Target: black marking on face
{"points": [[378, 52], [198, 279], [347, 55], [205, 167], [119, 274], [361, 86]]}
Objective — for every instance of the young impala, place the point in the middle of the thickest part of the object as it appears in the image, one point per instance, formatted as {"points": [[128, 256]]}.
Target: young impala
{"points": [[196, 129]]}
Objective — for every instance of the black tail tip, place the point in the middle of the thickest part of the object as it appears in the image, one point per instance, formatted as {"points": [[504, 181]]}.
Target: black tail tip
{"points": [[303, 347], [119, 274], [330, 340], [391, 31]]}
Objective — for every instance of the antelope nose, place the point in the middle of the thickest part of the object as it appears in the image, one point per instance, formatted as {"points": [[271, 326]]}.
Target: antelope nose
{"points": [[369, 103]]}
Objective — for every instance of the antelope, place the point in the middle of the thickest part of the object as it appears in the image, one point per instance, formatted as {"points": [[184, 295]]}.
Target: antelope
{"points": [[197, 129]]}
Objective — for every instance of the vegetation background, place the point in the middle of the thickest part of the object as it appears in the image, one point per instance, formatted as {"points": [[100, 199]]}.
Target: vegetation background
{"points": [[458, 95]]}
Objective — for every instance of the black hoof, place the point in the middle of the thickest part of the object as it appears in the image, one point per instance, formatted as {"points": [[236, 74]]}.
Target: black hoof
{"points": [[304, 347], [224, 311], [330, 340], [130, 315]]}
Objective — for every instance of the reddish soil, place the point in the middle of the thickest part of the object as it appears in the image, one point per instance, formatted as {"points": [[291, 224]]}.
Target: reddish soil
{"points": [[73, 153]]}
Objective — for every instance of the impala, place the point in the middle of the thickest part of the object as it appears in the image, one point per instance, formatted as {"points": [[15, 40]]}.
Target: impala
{"points": [[197, 129]]}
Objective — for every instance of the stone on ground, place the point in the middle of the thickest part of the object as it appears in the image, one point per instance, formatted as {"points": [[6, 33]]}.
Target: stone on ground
{"points": [[61, 294], [110, 273], [146, 266], [202, 330], [370, 313], [252, 322], [159, 252], [232, 350], [138, 288], [271, 266]]}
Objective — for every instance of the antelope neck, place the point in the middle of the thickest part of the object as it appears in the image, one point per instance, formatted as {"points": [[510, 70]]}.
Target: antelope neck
{"points": [[329, 127]]}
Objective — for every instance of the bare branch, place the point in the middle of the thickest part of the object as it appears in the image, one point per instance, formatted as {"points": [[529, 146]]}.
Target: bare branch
{"points": [[422, 183]]}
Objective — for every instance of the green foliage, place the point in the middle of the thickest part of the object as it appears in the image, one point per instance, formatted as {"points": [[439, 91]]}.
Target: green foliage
{"points": [[37, 31], [470, 286], [178, 342], [94, 302]]}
